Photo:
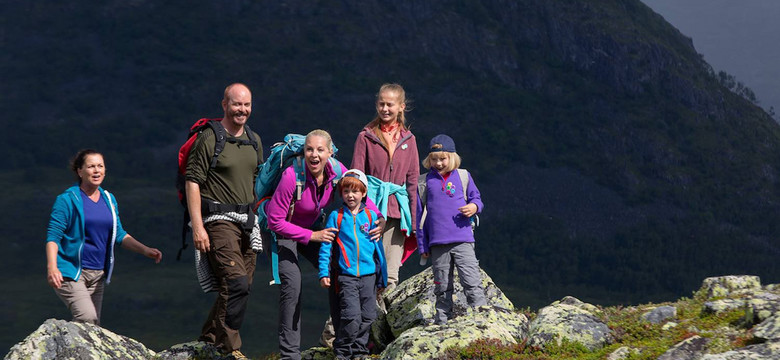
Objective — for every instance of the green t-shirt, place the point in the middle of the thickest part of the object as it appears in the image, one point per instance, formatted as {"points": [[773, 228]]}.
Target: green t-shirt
{"points": [[232, 180]]}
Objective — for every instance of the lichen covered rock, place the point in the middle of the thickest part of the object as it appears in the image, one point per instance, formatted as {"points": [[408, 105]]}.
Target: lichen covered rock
{"points": [[60, 339], [765, 351], [725, 285], [569, 321], [429, 342], [413, 301], [192, 350], [769, 329], [689, 349]]}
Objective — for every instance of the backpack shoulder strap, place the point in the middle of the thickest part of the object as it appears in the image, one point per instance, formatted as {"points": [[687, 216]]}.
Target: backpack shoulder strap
{"points": [[464, 180], [336, 165], [220, 137], [421, 188], [253, 141], [368, 213], [338, 240]]}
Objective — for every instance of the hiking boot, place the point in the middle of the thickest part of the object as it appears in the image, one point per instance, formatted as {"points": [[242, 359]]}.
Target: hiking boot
{"points": [[238, 355]]}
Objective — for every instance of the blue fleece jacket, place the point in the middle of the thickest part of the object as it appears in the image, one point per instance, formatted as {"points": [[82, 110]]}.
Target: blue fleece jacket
{"points": [[358, 255], [66, 229]]}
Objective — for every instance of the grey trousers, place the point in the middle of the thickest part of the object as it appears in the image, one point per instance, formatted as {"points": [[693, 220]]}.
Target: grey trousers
{"points": [[290, 294], [353, 310], [445, 259], [84, 298]]}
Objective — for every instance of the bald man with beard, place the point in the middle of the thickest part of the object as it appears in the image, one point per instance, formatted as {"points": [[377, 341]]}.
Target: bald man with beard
{"points": [[219, 201]]}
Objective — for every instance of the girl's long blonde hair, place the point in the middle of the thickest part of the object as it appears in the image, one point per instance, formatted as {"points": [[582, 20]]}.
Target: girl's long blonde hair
{"points": [[401, 93]]}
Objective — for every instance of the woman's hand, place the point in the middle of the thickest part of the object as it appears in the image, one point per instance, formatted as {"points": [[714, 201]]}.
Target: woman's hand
{"points": [[376, 233], [324, 235], [153, 254], [325, 282], [54, 277], [468, 210], [425, 255]]}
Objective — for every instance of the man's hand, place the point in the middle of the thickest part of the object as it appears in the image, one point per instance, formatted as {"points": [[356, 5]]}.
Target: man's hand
{"points": [[201, 239]]}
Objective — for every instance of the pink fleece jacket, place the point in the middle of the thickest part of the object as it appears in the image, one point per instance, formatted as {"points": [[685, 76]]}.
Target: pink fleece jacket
{"points": [[307, 210], [372, 157]]}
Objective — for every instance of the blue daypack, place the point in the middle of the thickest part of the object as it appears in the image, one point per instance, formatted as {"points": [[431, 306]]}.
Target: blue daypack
{"points": [[283, 154]]}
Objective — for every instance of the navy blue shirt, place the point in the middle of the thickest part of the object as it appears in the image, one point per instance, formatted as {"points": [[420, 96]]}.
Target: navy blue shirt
{"points": [[97, 230]]}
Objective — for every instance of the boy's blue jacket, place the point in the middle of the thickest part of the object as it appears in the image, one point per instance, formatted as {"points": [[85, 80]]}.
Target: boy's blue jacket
{"points": [[66, 229], [358, 255]]}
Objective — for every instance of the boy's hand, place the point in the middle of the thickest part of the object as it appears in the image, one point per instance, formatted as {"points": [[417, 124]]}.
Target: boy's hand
{"points": [[468, 210], [325, 282]]}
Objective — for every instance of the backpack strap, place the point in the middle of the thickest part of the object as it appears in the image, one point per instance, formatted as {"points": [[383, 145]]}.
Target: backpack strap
{"points": [[464, 180], [422, 188], [220, 137], [338, 240]]}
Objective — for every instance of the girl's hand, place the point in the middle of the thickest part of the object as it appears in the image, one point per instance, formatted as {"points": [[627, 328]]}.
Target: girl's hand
{"points": [[376, 233], [325, 282], [54, 278], [425, 255], [468, 210], [325, 235], [153, 254]]}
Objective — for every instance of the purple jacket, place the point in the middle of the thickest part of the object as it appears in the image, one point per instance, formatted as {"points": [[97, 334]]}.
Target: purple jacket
{"points": [[307, 210], [372, 157], [444, 224]]}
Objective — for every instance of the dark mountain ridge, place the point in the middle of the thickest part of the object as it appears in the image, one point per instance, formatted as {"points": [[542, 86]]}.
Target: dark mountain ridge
{"points": [[613, 165]]}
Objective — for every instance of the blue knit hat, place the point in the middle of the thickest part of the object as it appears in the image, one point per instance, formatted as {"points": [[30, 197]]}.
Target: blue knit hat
{"points": [[442, 143]]}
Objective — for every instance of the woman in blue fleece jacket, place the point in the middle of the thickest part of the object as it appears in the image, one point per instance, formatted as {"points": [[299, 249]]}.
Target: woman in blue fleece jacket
{"points": [[83, 229], [445, 234]]}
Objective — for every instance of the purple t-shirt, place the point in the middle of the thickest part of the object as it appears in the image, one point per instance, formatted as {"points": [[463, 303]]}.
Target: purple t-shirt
{"points": [[97, 230]]}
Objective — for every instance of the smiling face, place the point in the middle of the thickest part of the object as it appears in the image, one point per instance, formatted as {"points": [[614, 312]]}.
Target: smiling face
{"points": [[389, 106], [440, 161], [237, 105], [316, 151], [93, 171]]}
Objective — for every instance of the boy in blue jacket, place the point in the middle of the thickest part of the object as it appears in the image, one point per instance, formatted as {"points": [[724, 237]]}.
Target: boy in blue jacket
{"points": [[355, 267]]}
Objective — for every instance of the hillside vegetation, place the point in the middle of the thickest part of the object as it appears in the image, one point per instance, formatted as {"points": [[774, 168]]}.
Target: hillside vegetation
{"points": [[613, 165]]}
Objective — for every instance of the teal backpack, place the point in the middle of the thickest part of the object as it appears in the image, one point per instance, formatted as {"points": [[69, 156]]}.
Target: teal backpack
{"points": [[283, 154]]}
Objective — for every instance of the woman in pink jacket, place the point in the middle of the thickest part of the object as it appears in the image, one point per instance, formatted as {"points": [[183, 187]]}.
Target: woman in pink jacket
{"points": [[387, 150], [296, 234]]}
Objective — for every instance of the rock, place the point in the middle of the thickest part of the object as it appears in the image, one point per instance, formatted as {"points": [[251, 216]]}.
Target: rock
{"points": [[669, 325], [725, 285], [769, 329], [719, 306], [622, 353], [689, 349], [317, 353], [60, 339], [561, 320], [412, 302], [761, 304], [660, 314], [765, 351], [429, 342], [191, 350]]}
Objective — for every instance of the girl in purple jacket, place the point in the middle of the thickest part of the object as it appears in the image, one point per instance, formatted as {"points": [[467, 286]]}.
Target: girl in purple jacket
{"points": [[297, 234], [387, 150], [445, 234]]}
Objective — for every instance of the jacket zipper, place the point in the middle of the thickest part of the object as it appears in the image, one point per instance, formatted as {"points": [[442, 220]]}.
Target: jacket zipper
{"points": [[357, 243]]}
